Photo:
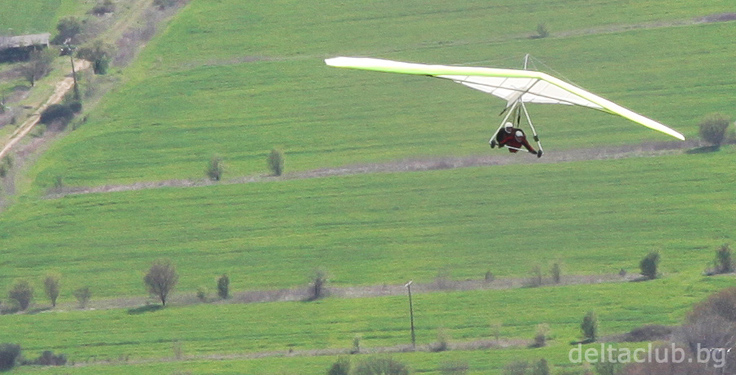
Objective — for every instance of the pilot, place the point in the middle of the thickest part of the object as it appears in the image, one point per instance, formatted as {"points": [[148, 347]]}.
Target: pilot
{"points": [[515, 139], [508, 128]]}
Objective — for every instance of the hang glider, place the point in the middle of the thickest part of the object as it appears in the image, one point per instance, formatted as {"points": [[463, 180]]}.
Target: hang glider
{"points": [[517, 87]]}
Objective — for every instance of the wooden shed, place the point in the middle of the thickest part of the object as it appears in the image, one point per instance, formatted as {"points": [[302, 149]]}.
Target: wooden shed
{"points": [[18, 48]]}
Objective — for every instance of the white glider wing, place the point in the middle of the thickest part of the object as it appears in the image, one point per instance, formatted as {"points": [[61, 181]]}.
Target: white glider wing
{"points": [[511, 85]]}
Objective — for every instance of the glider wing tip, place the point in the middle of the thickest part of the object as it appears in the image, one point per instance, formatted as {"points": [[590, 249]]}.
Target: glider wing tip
{"points": [[334, 61], [331, 61]]}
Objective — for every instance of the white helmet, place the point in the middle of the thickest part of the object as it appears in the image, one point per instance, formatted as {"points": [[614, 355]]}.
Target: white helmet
{"points": [[519, 134], [508, 126]]}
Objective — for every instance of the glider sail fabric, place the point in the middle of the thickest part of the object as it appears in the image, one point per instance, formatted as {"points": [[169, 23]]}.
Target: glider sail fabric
{"points": [[526, 86]]}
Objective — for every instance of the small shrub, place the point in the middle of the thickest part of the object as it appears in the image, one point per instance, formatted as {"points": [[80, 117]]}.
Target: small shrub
{"points": [[61, 113], [443, 279], [10, 307], [541, 368], [100, 66], [48, 358], [535, 279], [516, 368], [163, 4], [540, 337], [178, 348], [650, 332], [724, 262], [454, 368], [83, 295], [215, 168], [202, 294], [649, 265], [58, 182], [381, 366], [542, 31], [318, 288], [57, 112], [496, 330], [356, 345], [589, 327], [103, 7], [556, 273], [276, 162], [99, 53], [5, 165], [22, 293], [489, 277], [341, 367], [608, 368], [712, 128], [443, 341], [223, 284], [9, 354], [75, 106]]}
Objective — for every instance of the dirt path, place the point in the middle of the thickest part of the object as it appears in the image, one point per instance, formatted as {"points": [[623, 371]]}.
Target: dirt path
{"points": [[62, 87]]}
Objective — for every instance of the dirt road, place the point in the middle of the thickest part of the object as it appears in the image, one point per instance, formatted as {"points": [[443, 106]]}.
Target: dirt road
{"points": [[62, 87]]}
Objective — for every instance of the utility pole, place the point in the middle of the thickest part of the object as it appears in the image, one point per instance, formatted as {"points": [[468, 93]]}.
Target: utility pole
{"points": [[74, 72], [411, 317]]}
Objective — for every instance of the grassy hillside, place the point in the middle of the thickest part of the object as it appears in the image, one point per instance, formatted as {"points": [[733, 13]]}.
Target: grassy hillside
{"points": [[275, 328], [237, 78], [240, 100], [35, 16], [386, 228]]}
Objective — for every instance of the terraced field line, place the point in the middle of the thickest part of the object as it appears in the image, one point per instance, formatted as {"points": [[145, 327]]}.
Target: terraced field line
{"points": [[493, 158]]}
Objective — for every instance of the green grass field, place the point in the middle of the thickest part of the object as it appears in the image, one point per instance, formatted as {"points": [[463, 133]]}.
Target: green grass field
{"points": [[180, 110], [437, 221], [232, 330], [273, 234], [237, 79], [35, 16]]}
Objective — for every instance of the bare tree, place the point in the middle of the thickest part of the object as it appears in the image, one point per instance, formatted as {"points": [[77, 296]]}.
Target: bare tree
{"points": [[52, 286], [161, 279], [38, 66]]}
